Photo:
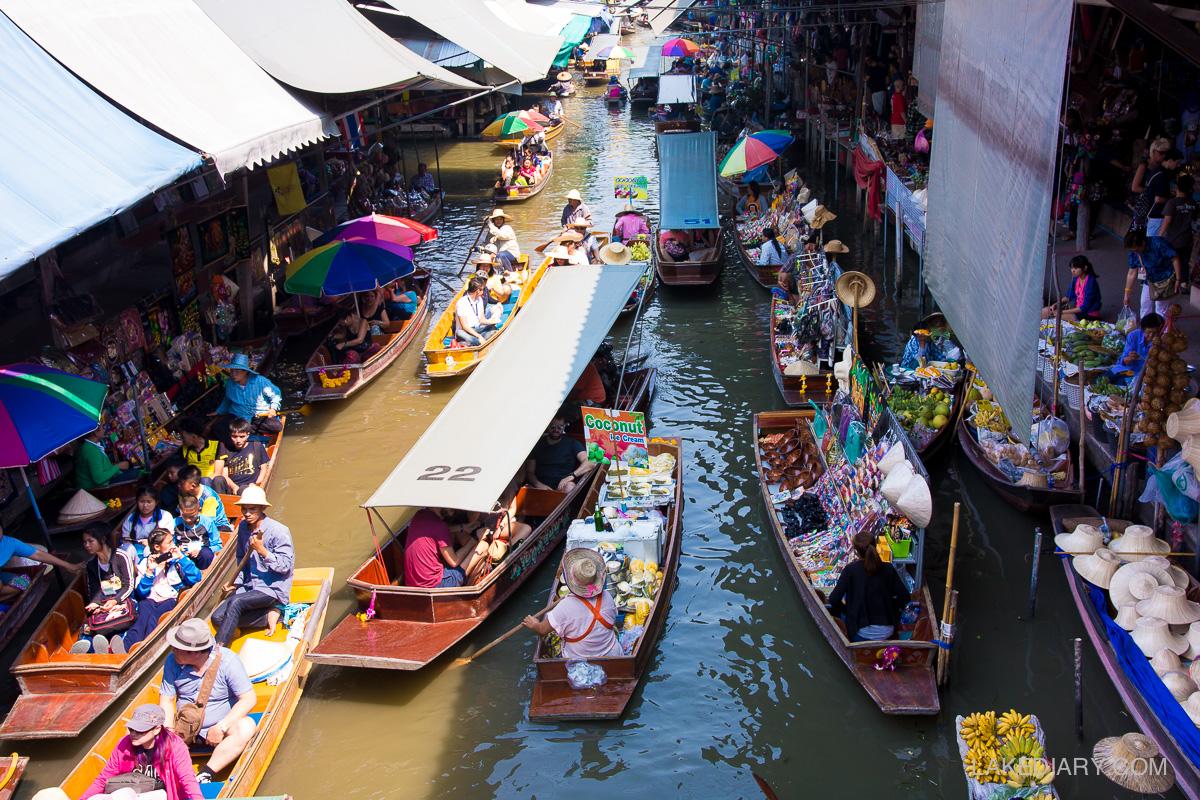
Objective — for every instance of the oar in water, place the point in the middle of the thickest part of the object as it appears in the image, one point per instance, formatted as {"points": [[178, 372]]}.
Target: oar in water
{"points": [[766, 787], [458, 662]]}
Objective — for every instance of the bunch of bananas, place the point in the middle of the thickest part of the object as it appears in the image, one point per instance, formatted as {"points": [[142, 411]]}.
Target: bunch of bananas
{"points": [[981, 764], [1014, 724], [1020, 746], [979, 728], [990, 416], [1041, 796], [1030, 772]]}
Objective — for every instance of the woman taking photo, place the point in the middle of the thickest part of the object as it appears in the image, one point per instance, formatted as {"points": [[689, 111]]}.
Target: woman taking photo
{"points": [[869, 595]]}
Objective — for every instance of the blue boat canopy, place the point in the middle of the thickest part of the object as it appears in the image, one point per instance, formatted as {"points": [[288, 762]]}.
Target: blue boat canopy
{"points": [[69, 158], [687, 180]]}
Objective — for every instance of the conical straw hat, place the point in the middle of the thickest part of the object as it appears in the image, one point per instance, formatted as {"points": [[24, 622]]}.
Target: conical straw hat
{"points": [[916, 503], [1165, 661], [1133, 762], [893, 457], [1097, 568], [1084, 539], [895, 483], [1169, 603], [1193, 669], [1192, 707], [1185, 422], [1179, 576], [1127, 616], [1152, 634], [1193, 640], [1191, 451], [1138, 542], [1119, 587], [1179, 684], [81, 508]]}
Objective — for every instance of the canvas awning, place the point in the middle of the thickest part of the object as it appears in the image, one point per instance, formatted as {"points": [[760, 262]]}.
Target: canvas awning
{"points": [[601, 41], [290, 39], [687, 180], [543, 353], [473, 26], [543, 20], [674, 89], [646, 61], [667, 13], [69, 159], [572, 34], [169, 64]]}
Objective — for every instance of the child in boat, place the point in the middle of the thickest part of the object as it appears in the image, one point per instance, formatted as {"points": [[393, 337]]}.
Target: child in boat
{"points": [[164, 573], [527, 176], [168, 484], [111, 579], [241, 462], [146, 517], [586, 618], [198, 450], [195, 533], [210, 502]]}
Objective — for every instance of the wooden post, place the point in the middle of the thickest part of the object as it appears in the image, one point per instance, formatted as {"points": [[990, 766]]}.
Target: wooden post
{"points": [[1078, 687], [947, 622], [949, 633], [1082, 429], [1033, 576], [1057, 353]]}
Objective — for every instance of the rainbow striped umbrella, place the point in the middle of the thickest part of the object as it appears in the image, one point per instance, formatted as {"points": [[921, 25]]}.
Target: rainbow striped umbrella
{"points": [[613, 51], [680, 48], [348, 266], [42, 409], [755, 150], [397, 230], [510, 124]]}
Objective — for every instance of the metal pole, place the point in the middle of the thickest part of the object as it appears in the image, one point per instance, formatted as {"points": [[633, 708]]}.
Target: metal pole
{"points": [[1078, 688], [437, 159], [1033, 576]]}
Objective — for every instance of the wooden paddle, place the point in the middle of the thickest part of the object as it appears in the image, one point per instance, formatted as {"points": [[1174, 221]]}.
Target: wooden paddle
{"points": [[766, 787], [564, 118], [458, 662]]}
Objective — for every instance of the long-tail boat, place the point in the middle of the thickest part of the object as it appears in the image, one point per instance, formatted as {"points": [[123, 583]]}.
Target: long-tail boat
{"points": [[1033, 494], [515, 193], [955, 391], [277, 691], [687, 172], [552, 130], [1161, 718], [553, 697], [909, 687], [443, 359], [332, 381]]}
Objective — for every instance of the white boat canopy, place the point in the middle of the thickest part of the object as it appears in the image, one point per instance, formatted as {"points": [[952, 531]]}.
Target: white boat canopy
{"points": [[469, 454], [674, 89]]}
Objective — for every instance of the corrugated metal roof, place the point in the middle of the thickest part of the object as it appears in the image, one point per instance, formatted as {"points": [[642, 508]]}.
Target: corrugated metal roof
{"points": [[440, 51]]}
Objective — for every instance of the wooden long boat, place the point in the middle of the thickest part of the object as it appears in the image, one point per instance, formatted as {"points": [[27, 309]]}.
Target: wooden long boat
{"points": [[958, 398], [797, 390], [11, 772], [325, 378], [1021, 497], [299, 314], [553, 131], [910, 688], [553, 697], [593, 75], [1187, 772], [276, 696], [519, 194], [412, 627], [431, 210], [698, 272], [618, 101], [40, 577], [766, 277], [443, 361], [676, 125]]}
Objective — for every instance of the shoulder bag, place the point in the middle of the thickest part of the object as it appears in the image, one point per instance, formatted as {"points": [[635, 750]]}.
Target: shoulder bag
{"points": [[189, 717]]}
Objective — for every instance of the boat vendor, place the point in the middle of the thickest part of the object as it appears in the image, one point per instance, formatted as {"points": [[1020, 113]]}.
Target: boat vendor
{"points": [[1082, 301], [575, 210], [1137, 347], [226, 725], [615, 89], [93, 469], [13, 585], [562, 85], [585, 619], [250, 396], [501, 234], [557, 461], [554, 108], [424, 181], [869, 595], [919, 350], [152, 747], [772, 253], [438, 554], [474, 317], [265, 581], [1153, 262], [631, 224], [750, 201]]}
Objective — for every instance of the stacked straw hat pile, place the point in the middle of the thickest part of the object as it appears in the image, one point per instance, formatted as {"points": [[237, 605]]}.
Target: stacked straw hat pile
{"points": [[1184, 427]]}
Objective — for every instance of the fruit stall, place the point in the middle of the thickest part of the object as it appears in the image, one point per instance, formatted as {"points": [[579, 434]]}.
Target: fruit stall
{"points": [[1041, 457], [1004, 756]]}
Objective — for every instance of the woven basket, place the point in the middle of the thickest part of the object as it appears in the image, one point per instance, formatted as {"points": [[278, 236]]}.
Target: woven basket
{"points": [[1048, 370], [1072, 394]]}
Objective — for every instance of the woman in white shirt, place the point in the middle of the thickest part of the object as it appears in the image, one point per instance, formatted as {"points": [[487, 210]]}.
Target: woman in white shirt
{"points": [[502, 235], [147, 516]]}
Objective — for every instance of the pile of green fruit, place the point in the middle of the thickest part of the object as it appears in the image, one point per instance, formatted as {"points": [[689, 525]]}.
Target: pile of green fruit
{"points": [[639, 250], [1089, 348], [921, 413], [1104, 386]]}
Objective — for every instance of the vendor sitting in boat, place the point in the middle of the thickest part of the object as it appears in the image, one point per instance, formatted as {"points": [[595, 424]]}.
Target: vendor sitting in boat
{"points": [[501, 235], [869, 595], [575, 210], [615, 90], [751, 200], [1137, 347], [631, 224], [437, 554], [919, 351], [93, 469], [557, 460], [677, 244], [250, 396], [586, 618], [1082, 300]]}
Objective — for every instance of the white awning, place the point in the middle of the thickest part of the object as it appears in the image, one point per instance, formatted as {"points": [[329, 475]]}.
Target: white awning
{"points": [[471, 25], [291, 40], [464, 462], [544, 20], [169, 64], [601, 41], [676, 89], [647, 61], [574, 7], [668, 12]]}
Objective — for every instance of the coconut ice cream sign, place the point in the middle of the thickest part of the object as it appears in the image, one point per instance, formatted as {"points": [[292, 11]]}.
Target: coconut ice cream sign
{"points": [[616, 435]]}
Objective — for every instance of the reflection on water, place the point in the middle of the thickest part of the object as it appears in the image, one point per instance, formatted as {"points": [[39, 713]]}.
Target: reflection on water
{"points": [[741, 681]]}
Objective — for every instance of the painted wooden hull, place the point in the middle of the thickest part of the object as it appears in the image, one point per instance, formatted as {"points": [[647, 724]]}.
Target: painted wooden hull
{"points": [[616, 102], [277, 703], [909, 689], [426, 214], [40, 578], [677, 126], [519, 194], [456, 362], [552, 133], [1187, 774], [593, 77], [9, 787], [392, 343], [766, 277], [553, 697], [689, 273], [1022, 498], [798, 390]]}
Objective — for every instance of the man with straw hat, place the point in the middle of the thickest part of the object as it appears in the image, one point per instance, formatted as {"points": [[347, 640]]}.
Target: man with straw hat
{"points": [[572, 242], [586, 618], [501, 234], [575, 210], [264, 548], [587, 243]]}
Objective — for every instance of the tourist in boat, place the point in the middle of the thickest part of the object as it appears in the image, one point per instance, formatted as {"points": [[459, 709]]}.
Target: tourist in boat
{"points": [[163, 574], [438, 555], [94, 470], [226, 725], [153, 755], [374, 309], [168, 482], [424, 181], [501, 235], [772, 253], [586, 618], [240, 462], [751, 202], [869, 594], [266, 580], [250, 396], [349, 341], [588, 244], [111, 578], [401, 300], [557, 461], [13, 585], [575, 210], [676, 244], [474, 317], [631, 224], [1082, 300], [528, 174], [589, 390], [508, 172], [147, 515], [1151, 260], [1137, 347], [561, 256], [210, 502], [196, 534], [198, 450]]}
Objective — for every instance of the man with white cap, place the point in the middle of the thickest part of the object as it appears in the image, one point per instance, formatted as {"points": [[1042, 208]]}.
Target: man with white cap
{"points": [[266, 577], [501, 234], [585, 619], [576, 210], [151, 757], [225, 726]]}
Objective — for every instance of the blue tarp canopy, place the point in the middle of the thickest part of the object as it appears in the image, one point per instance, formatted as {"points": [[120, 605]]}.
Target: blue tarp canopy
{"points": [[68, 158], [574, 32], [687, 180]]}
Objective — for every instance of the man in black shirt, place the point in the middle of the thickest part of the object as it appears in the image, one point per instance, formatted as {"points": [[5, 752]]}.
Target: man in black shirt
{"points": [[557, 461], [240, 462]]}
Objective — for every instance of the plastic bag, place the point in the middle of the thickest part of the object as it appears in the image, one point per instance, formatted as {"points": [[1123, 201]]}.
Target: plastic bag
{"points": [[585, 675], [1126, 320], [1175, 488]]}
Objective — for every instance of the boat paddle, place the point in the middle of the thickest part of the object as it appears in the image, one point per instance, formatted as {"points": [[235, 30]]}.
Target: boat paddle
{"points": [[458, 662], [766, 787]]}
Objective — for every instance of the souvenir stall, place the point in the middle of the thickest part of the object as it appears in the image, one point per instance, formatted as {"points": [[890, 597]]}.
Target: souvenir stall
{"points": [[807, 337]]}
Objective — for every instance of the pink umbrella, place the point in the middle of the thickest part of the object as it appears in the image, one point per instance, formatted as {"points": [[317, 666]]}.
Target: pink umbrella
{"points": [[396, 230]]}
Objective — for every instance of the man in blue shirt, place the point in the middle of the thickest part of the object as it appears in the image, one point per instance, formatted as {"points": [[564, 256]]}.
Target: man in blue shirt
{"points": [[265, 581], [1137, 346], [250, 396], [1152, 261], [12, 584]]}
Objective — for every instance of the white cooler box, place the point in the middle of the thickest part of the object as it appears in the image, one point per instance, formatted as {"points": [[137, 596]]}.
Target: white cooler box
{"points": [[641, 538]]}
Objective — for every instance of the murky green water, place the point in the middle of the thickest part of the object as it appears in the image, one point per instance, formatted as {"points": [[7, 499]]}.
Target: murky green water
{"points": [[742, 681]]}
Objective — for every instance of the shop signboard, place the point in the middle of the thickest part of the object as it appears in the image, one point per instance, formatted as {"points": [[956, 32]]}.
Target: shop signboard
{"points": [[631, 187], [617, 435]]}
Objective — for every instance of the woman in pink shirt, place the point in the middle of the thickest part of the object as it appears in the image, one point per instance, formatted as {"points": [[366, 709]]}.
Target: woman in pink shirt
{"points": [[630, 225], [153, 751], [585, 619]]}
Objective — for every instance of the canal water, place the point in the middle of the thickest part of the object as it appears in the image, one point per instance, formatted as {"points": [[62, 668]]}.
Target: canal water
{"points": [[742, 681]]}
